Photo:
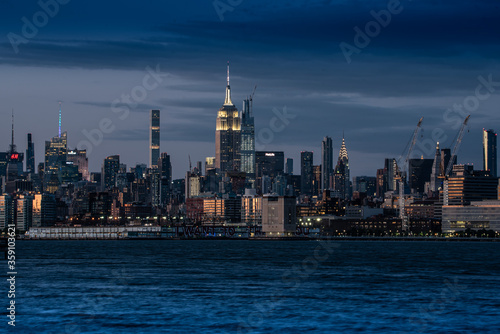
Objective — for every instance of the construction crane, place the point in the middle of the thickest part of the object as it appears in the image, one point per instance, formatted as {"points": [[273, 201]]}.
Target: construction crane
{"points": [[456, 147], [403, 167], [251, 98]]}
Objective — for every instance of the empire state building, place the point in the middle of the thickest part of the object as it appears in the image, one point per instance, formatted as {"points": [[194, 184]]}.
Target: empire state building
{"points": [[228, 135]]}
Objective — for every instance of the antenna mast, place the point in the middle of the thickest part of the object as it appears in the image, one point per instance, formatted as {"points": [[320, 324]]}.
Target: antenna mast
{"points": [[60, 112], [12, 146]]}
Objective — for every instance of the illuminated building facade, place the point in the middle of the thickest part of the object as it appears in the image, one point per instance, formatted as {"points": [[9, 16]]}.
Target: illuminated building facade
{"points": [[279, 216], [477, 216], [24, 217], [251, 209], [154, 138], [228, 135], [466, 185], [490, 152], [44, 210], [6, 211], [248, 142], [342, 173], [55, 158]]}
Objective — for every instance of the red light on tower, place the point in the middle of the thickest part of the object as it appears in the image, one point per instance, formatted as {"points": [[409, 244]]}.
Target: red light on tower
{"points": [[14, 156]]}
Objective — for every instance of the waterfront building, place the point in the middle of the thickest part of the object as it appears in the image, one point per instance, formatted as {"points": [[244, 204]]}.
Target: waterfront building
{"points": [[44, 210], [24, 217], [279, 216], [7, 214], [476, 216], [251, 208]]}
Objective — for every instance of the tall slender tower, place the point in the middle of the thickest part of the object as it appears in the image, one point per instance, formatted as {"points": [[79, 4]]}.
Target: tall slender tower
{"points": [[326, 162], [436, 171], [154, 138], [490, 151], [342, 173], [248, 141], [60, 118], [228, 134], [30, 155], [306, 173], [14, 159]]}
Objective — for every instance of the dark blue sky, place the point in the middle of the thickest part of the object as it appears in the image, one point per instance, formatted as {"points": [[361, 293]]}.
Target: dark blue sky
{"points": [[88, 54]]}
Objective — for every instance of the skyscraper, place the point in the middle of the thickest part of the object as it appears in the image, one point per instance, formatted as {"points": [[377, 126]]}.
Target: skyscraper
{"points": [[342, 173], [435, 182], [30, 155], [269, 163], [14, 159], [55, 158], [110, 169], [79, 158], [306, 172], [248, 141], [228, 135], [154, 138], [326, 162], [165, 169], [490, 151], [419, 173], [289, 166]]}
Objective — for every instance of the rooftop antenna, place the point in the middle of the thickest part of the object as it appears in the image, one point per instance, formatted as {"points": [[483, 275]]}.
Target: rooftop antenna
{"points": [[12, 146], [60, 112], [228, 72]]}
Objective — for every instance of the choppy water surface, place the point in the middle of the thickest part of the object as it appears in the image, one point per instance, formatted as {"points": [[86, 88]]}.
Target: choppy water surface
{"points": [[257, 287]]}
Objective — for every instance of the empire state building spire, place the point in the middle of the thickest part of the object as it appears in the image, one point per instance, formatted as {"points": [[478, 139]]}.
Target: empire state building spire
{"points": [[227, 101]]}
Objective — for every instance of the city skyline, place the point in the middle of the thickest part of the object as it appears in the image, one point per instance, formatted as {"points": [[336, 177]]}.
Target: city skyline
{"points": [[376, 98]]}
